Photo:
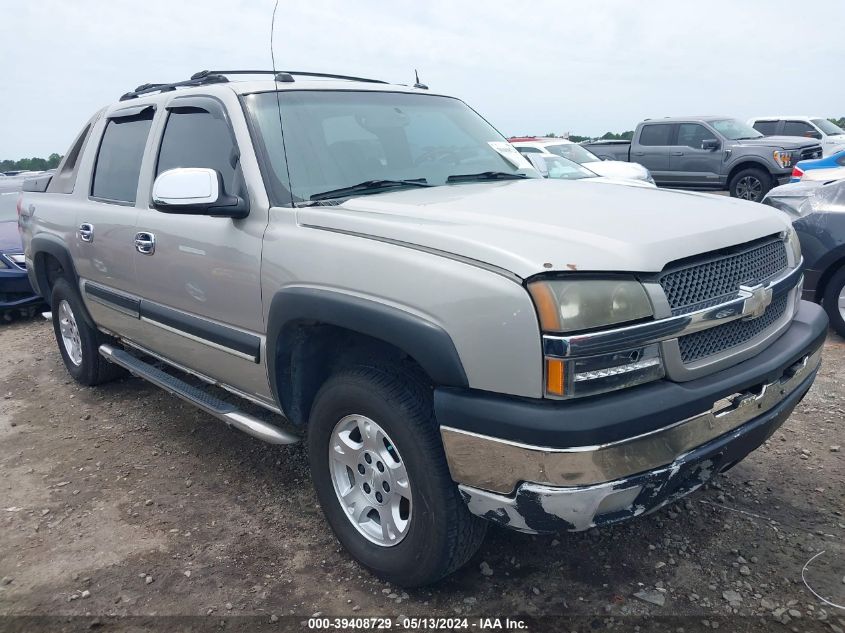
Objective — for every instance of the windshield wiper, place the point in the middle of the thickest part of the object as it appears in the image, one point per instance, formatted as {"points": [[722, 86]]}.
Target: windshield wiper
{"points": [[486, 175], [369, 185]]}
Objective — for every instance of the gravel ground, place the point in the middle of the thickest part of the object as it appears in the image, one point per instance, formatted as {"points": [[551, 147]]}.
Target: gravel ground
{"points": [[122, 500]]}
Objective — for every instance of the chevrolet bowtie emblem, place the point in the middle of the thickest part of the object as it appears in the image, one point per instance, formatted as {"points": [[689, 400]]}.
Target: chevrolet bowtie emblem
{"points": [[757, 299]]}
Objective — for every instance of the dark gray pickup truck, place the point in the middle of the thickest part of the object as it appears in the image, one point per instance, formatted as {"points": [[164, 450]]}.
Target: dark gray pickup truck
{"points": [[711, 152]]}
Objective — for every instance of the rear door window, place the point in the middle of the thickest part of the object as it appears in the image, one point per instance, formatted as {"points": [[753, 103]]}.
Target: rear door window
{"points": [[119, 157], [656, 135]]}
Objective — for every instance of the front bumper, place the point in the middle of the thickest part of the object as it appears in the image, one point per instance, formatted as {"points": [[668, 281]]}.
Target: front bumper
{"points": [[534, 487]]}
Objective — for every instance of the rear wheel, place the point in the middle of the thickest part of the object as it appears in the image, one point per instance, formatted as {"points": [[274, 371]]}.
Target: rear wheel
{"points": [[382, 480], [750, 184], [79, 342], [834, 301]]}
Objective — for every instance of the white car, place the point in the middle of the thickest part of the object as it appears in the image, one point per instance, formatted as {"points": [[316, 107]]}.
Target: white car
{"points": [[558, 168], [574, 152], [830, 135]]}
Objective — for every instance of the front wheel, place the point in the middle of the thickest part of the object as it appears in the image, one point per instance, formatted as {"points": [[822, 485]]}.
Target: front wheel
{"points": [[834, 301], [750, 184], [382, 480]]}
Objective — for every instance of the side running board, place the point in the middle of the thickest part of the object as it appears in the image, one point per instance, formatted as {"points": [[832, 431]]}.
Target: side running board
{"points": [[225, 411]]}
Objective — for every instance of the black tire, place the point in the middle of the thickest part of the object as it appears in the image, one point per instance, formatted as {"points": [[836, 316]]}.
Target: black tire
{"points": [[92, 369], [750, 184], [834, 288], [442, 535]]}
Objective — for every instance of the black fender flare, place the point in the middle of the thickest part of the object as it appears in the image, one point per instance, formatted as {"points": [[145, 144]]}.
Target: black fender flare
{"points": [[426, 342], [51, 245]]}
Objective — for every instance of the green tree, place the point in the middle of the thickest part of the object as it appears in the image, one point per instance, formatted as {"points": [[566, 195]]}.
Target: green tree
{"points": [[31, 164]]}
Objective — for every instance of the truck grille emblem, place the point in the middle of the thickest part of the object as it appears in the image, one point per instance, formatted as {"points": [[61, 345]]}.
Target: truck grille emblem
{"points": [[757, 299]]}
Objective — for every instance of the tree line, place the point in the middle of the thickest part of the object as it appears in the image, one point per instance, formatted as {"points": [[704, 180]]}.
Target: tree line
{"points": [[31, 164]]}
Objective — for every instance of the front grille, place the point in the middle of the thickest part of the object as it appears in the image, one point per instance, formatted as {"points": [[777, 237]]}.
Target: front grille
{"points": [[724, 337], [811, 152], [700, 284]]}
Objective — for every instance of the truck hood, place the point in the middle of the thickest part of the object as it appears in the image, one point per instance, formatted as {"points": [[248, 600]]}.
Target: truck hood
{"points": [[783, 142], [537, 225], [10, 238]]}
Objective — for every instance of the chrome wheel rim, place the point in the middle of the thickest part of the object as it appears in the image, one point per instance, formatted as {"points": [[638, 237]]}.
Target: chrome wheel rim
{"points": [[70, 333], [749, 188], [370, 480], [841, 302]]}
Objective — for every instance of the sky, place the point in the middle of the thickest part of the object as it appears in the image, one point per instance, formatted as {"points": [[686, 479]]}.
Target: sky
{"points": [[529, 67]]}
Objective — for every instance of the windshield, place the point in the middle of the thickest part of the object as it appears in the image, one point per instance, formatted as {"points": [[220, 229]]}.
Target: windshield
{"points": [[573, 152], [559, 168], [334, 140], [735, 129], [827, 127]]}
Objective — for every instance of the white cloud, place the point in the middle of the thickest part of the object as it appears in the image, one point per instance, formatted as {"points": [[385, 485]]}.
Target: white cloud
{"points": [[535, 67]]}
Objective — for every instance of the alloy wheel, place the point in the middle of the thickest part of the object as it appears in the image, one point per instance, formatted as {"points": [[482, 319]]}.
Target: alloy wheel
{"points": [[749, 188], [841, 302], [70, 333], [370, 480]]}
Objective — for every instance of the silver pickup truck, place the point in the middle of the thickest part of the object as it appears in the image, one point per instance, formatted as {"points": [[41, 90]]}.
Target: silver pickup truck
{"points": [[458, 340]]}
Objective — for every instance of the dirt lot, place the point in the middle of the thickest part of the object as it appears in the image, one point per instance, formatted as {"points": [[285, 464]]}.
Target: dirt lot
{"points": [[122, 500]]}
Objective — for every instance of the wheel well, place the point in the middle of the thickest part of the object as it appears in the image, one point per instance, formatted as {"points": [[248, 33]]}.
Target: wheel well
{"points": [[829, 272], [308, 353], [746, 165], [48, 269]]}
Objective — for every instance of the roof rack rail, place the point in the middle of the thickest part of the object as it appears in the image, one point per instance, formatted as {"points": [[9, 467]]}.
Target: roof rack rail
{"points": [[219, 76], [284, 75], [145, 89]]}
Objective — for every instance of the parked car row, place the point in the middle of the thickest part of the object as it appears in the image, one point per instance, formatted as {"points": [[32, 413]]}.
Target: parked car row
{"points": [[458, 340]]}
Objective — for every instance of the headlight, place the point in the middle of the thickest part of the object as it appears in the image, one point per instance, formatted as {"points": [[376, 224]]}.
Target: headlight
{"points": [[794, 244], [572, 305], [782, 158]]}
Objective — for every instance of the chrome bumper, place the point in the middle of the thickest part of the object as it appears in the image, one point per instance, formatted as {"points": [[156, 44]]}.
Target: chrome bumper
{"points": [[490, 464]]}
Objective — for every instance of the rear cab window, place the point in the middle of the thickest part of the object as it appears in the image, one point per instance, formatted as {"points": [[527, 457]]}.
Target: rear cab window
{"points": [[119, 157]]}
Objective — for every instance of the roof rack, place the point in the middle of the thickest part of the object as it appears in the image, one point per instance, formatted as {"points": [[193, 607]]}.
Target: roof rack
{"points": [[284, 75], [219, 76]]}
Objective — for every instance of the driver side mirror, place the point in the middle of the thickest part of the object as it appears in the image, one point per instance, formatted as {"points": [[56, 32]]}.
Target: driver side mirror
{"points": [[196, 191], [710, 144]]}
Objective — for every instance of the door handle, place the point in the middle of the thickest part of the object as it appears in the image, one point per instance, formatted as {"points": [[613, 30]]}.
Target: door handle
{"points": [[86, 232], [638, 153], [677, 153], [145, 243]]}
